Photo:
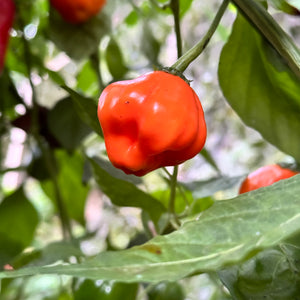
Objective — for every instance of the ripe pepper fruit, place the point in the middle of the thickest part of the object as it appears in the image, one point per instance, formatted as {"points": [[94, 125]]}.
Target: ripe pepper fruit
{"points": [[152, 121], [7, 13], [77, 11], [265, 176]]}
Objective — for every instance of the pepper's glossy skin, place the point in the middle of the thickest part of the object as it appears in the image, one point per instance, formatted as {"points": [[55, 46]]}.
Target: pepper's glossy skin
{"points": [[77, 11], [152, 121], [265, 176], [7, 13]]}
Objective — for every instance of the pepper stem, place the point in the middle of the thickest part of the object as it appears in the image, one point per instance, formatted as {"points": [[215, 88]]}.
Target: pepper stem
{"points": [[183, 62]]}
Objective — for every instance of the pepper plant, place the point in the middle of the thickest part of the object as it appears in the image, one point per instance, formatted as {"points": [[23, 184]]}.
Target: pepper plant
{"points": [[128, 130]]}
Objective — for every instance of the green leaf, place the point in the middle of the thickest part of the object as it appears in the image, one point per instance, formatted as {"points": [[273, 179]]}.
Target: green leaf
{"points": [[78, 41], [184, 6], [261, 88], [125, 193], [50, 254], [66, 126], [73, 191], [227, 233], [149, 44], [18, 222], [272, 32], [114, 60], [86, 109], [166, 291], [269, 275], [208, 157], [208, 187], [132, 18], [183, 199], [88, 289], [87, 80], [284, 6]]}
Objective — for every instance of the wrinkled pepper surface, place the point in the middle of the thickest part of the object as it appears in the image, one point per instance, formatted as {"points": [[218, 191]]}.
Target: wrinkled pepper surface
{"points": [[77, 11], [7, 13], [265, 176], [152, 121]]}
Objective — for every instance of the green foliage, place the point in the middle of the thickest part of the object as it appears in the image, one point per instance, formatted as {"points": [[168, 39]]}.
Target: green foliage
{"points": [[285, 6], [66, 126], [114, 235], [16, 230], [165, 291], [229, 232], [114, 60], [78, 41], [122, 192], [261, 88], [104, 290], [69, 181], [86, 108], [271, 274]]}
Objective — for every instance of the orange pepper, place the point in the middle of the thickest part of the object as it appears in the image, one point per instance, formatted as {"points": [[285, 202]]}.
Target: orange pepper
{"points": [[7, 13], [152, 121], [77, 11], [265, 176]]}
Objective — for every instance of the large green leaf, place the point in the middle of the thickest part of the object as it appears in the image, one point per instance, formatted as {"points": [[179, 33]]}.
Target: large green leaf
{"points": [[123, 192], [18, 221], [266, 25], [228, 232], [261, 88]]}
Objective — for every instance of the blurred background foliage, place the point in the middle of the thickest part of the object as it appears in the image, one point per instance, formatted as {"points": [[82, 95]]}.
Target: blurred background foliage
{"points": [[54, 174]]}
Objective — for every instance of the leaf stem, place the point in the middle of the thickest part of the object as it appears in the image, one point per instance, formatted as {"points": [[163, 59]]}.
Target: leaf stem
{"points": [[183, 62], [270, 29]]}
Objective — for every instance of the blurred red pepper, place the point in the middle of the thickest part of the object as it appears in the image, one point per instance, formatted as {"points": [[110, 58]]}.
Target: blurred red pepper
{"points": [[7, 13], [77, 11], [152, 121], [265, 176]]}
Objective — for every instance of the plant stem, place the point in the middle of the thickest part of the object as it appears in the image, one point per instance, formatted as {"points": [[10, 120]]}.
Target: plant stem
{"points": [[183, 62], [173, 186], [174, 5], [43, 145], [270, 29]]}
